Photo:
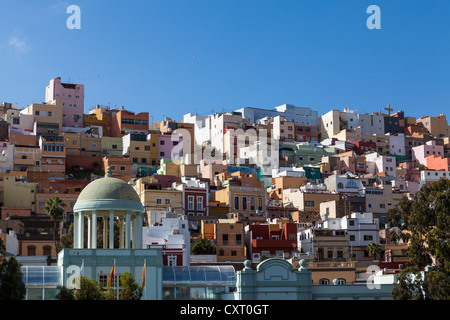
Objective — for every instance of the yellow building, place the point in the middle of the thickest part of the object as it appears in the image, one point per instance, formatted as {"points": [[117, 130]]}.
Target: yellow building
{"points": [[323, 273], [156, 199], [19, 194], [437, 126], [111, 146], [90, 145], [73, 143], [245, 200], [27, 158], [99, 117], [48, 116], [138, 148]]}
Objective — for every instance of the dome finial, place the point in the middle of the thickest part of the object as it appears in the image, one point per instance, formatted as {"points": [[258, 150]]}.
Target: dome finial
{"points": [[108, 173]]}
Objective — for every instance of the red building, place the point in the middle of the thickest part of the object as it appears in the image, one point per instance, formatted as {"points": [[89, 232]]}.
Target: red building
{"points": [[364, 146], [272, 240], [306, 133], [172, 255], [195, 197]]}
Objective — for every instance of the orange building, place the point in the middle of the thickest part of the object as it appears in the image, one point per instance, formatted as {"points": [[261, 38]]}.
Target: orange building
{"points": [[120, 167], [230, 240], [125, 122], [437, 162], [53, 156]]}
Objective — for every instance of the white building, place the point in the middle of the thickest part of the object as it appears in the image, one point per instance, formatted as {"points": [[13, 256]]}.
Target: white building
{"points": [[397, 144], [202, 127], [427, 176], [173, 236], [334, 121], [362, 229], [377, 163], [372, 123]]}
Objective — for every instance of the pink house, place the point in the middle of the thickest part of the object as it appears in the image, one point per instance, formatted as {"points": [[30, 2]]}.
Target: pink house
{"points": [[166, 145], [420, 153], [72, 96]]}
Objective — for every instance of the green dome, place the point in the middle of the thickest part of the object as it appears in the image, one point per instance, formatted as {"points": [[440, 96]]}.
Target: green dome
{"points": [[108, 188]]}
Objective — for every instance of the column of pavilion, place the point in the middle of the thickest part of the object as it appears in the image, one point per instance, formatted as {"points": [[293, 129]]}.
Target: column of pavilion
{"points": [[126, 241]]}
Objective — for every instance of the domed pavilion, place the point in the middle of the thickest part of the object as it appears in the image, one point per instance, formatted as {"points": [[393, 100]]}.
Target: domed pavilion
{"points": [[108, 198]]}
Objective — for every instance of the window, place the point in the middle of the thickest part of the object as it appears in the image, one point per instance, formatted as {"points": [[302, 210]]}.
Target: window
{"points": [[147, 148], [330, 254], [340, 282], [190, 202], [143, 160], [135, 160], [113, 168], [167, 201], [368, 238], [225, 239], [252, 203], [158, 201], [161, 154], [352, 237], [31, 250], [309, 203], [238, 239], [94, 145], [47, 250], [260, 203], [340, 254], [114, 146], [172, 261], [122, 168], [324, 282], [161, 142], [236, 202], [199, 203], [351, 222], [244, 203]]}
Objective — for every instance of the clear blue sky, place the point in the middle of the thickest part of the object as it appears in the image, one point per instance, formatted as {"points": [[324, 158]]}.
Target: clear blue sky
{"points": [[172, 57]]}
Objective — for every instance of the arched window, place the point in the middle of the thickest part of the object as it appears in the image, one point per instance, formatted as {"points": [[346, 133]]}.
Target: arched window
{"points": [[340, 185], [31, 250], [47, 250], [324, 281], [340, 281]]}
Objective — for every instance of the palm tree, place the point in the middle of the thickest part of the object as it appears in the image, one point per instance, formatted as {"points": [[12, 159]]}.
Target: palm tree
{"points": [[373, 249], [55, 209]]}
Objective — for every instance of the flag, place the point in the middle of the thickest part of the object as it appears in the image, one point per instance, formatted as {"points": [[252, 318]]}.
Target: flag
{"points": [[111, 276], [143, 275], [82, 267]]}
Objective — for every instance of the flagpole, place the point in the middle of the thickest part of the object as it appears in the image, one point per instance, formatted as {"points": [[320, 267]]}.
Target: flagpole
{"points": [[145, 269], [117, 282]]}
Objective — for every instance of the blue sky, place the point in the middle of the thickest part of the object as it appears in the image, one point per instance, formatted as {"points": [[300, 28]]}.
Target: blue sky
{"points": [[171, 57]]}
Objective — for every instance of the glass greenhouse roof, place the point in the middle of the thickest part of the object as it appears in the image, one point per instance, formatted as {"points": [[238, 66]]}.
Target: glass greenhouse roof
{"points": [[200, 275]]}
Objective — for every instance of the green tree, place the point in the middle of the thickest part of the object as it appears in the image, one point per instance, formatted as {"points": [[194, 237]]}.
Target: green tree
{"points": [[65, 293], [89, 290], [130, 289], [424, 222], [55, 209], [202, 246], [11, 280], [374, 250], [2, 250]]}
